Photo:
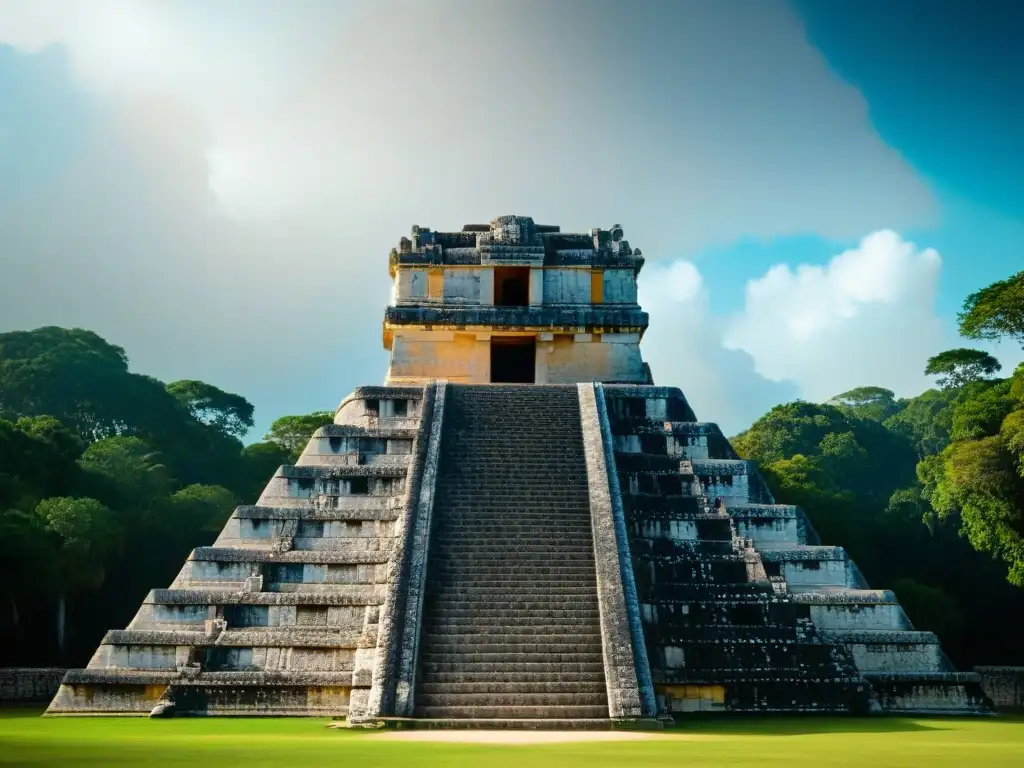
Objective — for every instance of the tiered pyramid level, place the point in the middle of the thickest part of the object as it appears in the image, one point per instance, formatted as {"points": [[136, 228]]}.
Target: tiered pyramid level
{"points": [[569, 548]]}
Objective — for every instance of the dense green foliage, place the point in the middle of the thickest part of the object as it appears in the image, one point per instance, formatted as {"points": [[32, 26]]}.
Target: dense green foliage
{"points": [[775, 742], [106, 478]]}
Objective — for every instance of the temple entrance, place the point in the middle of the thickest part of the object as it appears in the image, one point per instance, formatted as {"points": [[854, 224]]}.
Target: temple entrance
{"points": [[511, 287], [513, 359]]}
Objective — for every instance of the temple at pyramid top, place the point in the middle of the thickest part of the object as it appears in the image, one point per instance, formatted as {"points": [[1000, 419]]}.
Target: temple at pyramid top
{"points": [[517, 302]]}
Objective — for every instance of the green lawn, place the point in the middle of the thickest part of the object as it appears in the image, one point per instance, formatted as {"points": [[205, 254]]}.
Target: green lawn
{"points": [[29, 740]]}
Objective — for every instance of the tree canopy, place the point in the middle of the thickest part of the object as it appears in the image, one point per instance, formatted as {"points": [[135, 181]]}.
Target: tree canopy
{"points": [[996, 311], [293, 432], [875, 403], [957, 367], [228, 413]]}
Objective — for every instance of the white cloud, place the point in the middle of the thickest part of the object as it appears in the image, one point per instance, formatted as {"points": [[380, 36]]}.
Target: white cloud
{"points": [[684, 349], [866, 318]]}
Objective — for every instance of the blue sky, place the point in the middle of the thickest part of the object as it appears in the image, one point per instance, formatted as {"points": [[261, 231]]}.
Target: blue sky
{"points": [[816, 185], [945, 89]]}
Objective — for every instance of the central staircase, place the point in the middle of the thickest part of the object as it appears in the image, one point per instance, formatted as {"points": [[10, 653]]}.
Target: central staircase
{"points": [[511, 633]]}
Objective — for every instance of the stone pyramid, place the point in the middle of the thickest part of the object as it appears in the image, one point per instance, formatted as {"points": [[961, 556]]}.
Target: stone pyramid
{"points": [[519, 529]]}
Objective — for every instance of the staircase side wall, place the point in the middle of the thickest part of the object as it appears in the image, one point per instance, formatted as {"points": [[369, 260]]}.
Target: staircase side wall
{"points": [[394, 669], [627, 674], [419, 550]]}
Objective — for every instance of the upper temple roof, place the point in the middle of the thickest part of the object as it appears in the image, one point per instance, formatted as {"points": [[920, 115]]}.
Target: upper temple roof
{"points": [[512, 240]]}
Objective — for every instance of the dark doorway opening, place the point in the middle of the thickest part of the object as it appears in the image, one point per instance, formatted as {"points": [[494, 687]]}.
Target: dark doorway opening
{"points": [[511, 286], [513, 360]]}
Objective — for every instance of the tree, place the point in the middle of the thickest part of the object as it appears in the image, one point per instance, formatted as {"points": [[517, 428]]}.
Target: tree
{"points": [[37, 459], [929, 608], [129, 467], [874, 403], [978, 480], [259, 462], [24, 549], [202, 508], [227, 413], [86, 533], [78, 378], [981, 410], [996, 311], [294, 432], [957, 367], [925, 420]]}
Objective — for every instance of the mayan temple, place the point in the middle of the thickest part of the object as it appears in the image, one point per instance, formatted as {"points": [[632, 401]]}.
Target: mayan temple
{"points": [[517, 529]]}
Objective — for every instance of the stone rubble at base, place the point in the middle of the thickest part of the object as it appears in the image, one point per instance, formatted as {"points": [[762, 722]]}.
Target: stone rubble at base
{"points": [[570, 548]]}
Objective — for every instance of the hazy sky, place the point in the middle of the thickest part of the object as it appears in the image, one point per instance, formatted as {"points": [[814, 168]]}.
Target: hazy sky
{"points": [[215, 184]]}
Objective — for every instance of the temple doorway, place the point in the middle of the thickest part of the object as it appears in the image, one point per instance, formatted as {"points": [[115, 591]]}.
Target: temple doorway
{"points": [[513, 359], [511, 286]]}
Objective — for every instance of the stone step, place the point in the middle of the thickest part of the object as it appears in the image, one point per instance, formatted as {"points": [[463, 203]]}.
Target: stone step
{"points": [[524, 513], [519, 602], [512, 677], [562, 712], [512, 645], [508, 536], [512, 625], [474, 553], [534, 572], [564, 687], [501, 580], [513, 660], [487, 610], [507, 665], [493, 617], [510, 699], [522, 543]]}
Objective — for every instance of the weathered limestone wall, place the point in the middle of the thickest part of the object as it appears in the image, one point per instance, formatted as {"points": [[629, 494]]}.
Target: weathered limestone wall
{"points": [[28, 684], [465, 358], [462, 286], [590, 357], [619, 286], [567, 286], [418, 356], [1004, 685]]}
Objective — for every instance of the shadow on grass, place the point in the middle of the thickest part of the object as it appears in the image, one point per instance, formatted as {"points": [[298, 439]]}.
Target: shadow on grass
{"points": [[788, 725]]}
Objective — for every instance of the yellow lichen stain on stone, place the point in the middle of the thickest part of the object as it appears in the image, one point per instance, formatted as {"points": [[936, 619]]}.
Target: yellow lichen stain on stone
{"points": [[712, 693], [154, 692], [597, 286], [435, 284], [327, 697]]}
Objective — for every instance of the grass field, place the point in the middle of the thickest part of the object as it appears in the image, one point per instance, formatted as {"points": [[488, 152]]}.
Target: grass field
{"points": [[29, 740]]}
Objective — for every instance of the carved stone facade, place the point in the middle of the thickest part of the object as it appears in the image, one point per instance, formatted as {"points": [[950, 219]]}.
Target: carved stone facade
{"points": [[514, 301], [519, 530]]}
